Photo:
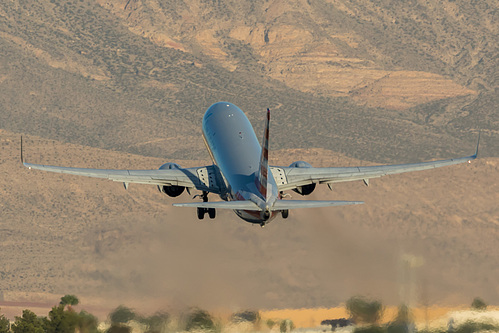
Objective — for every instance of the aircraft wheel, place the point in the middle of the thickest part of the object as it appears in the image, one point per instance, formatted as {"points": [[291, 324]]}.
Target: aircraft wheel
{"points": [[211, 213], [285, 214], [201, 212]]}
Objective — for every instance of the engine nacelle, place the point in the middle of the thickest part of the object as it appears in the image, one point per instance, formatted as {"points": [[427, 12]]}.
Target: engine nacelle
{"points": [[305, 189], [173, 190]]}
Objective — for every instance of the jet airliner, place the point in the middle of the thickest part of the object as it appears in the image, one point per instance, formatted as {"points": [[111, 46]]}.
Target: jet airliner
{"points": [[241, 175]]}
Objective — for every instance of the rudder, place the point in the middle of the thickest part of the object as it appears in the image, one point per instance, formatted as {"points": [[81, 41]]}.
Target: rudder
{"points": [[263, 172]]}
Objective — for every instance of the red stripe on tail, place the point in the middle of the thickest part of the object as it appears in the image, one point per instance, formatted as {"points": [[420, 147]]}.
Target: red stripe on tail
{"points": [[264, 161]]}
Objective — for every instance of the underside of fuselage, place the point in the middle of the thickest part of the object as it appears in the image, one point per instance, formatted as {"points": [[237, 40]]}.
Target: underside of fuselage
{"points": [[256, 217]]}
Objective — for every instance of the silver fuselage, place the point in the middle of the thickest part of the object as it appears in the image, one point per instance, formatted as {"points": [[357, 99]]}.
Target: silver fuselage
{"points": [[235, 149]]}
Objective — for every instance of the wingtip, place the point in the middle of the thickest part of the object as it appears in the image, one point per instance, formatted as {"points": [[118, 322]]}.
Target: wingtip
{"points": [[23, 162], [22, 157], [477, 144]]}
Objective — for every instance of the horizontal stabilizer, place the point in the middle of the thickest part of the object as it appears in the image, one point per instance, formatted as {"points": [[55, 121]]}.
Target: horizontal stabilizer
{"points": [[278, 205], [294, 204], [238, 204]]}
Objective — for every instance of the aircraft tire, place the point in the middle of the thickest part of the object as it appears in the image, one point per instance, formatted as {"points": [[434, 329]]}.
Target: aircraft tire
{"points": [[201, 212], [212, 213], [285, 214]]}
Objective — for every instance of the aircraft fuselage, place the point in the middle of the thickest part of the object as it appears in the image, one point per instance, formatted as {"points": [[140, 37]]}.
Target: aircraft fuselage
{"points": [[234, 148]]}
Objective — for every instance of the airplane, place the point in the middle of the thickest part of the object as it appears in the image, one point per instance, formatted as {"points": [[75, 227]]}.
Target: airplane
{"points": [[241, 175]]}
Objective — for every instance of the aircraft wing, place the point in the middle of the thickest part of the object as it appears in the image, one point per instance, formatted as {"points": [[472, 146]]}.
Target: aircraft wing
{"points": [[288, 178], [202, 178]]}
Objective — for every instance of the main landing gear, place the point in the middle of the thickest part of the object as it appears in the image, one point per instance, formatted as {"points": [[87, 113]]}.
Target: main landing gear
{"points": [[284, 213], [211, 212], [202, 211]]}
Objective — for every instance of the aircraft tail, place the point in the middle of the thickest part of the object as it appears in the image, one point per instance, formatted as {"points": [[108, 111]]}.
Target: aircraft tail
{"points": [[263, 172]]}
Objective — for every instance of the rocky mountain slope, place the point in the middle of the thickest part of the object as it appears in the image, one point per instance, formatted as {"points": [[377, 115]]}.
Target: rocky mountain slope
{"points": [[355, 77], [387, 54]]}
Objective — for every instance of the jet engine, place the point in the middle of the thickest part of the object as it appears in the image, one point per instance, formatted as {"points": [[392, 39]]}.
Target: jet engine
{"points": [[171, 190], [305, 189]]}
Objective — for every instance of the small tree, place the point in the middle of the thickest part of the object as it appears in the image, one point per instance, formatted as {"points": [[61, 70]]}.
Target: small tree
{"points": [[28, 323], [362, 310], [4, 324], [402, 322], [286, 326], [60, 320], [478, 304], [69, 300], [121, 315], [403, 314]]}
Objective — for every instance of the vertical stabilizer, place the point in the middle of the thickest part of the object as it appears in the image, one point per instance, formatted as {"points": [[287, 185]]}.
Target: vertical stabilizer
{"points": [[263, 171]]}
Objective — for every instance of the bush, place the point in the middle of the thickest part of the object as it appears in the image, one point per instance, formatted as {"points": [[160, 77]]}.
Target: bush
{"points": [[87, 323], [370, 329], [270, 323], [249, 316], [119, 328], [362, 310], [478, 304], [156, 322], [470, 327], [121, 315], [199, 319]]}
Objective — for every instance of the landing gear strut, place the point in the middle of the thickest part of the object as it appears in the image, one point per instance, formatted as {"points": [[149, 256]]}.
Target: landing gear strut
{"points": [[202, 211]]}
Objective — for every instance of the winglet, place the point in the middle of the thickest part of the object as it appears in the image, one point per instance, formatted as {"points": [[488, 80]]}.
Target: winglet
{"points": [[477, 145], [263, 172], [22, 157]]}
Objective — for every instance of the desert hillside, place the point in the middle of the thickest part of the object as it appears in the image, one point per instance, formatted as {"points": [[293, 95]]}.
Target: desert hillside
{"points": [[125, 83], [354, 77], [90, 237]]}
